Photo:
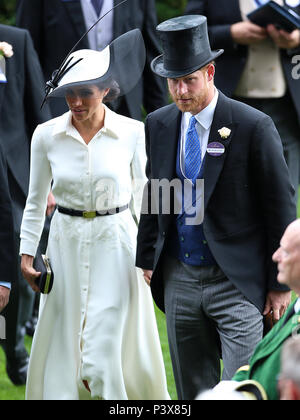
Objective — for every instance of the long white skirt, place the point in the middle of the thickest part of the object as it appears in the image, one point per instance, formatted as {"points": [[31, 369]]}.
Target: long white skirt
{"points": [[98, 323]]}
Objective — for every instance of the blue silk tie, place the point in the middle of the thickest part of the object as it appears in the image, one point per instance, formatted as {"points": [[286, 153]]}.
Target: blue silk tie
{"points": [[98, 4], [192, 152]]}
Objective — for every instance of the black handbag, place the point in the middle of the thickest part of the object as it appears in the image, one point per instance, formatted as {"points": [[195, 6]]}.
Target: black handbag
{"points": [[42, 264]]}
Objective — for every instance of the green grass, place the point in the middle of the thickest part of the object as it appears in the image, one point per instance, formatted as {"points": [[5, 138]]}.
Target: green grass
{"points": [[7, 390]]}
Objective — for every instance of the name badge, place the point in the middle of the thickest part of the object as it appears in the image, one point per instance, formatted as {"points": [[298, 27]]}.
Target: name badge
{"points": [[215, 149]]}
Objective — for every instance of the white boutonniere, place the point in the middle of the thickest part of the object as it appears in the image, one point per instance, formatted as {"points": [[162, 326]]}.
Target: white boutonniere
{"points": [[224, 132], [6, 50]]}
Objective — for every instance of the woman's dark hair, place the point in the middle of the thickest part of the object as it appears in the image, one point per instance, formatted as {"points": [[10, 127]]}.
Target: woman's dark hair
{"points": [[114, 90]]}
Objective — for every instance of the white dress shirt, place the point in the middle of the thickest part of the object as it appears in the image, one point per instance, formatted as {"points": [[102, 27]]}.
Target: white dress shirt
{"points": [[204, 122]]}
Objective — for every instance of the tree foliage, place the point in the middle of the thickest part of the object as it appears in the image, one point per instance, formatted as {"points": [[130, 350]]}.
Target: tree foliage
{"points": [[166, 9]]}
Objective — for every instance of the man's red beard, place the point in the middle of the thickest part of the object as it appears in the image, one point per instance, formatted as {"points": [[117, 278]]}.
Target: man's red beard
{"points": [[190, 104]]}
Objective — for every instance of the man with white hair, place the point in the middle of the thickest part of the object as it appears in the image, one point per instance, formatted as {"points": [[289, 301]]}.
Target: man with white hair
{"points": [[289, 378], [264, 367]]}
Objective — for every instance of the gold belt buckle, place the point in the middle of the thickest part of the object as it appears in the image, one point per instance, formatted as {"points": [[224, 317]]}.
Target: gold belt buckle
{"points": [[89, 214]]}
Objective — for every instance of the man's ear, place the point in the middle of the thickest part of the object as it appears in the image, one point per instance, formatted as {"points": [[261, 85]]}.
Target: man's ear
{"points": [[210, 72]]}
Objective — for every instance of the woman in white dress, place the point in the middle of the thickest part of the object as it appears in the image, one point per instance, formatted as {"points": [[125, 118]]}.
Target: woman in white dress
{"points": [[96, 336]]}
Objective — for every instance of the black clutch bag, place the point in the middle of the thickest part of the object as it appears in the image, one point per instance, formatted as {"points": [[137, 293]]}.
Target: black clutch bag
{"points": [[272, 12], [42, 264]]}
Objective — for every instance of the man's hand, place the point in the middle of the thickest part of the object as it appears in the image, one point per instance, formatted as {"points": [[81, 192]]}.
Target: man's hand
{"points": [[51, 203], [4, 297], [247, 33], [284, 39], [147, 276], [277, 303]]}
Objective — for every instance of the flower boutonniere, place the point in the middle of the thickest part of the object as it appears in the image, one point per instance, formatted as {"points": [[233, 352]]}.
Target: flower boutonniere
{"points": [[6, 50], [224, 132]]}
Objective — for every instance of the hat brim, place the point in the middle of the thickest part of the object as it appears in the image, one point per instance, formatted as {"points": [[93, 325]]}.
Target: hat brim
{"points": [[158, 68], [124, 60]]}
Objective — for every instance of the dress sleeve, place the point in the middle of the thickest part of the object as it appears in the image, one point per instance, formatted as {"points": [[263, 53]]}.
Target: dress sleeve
{"points": [[138, 177], [39, 188]]}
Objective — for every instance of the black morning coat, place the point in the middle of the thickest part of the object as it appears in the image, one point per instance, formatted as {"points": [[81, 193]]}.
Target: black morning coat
{"points": [[20, 112], [248, 197]]}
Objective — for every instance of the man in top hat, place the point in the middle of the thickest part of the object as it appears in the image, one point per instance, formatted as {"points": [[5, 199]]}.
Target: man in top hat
{"points": [[209, 261], [257, 67]]}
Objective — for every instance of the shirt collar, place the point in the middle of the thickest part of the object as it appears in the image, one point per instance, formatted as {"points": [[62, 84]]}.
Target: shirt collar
{"points": [[297, 306], [64, 124], [206, 116]]}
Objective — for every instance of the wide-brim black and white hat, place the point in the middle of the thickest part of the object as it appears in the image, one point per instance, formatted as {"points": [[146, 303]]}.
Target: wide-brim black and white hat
{"points": [[185, 46], [122, 63]]}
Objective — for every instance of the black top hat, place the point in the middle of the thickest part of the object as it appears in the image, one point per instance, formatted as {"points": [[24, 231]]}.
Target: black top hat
{"points": [[185, 46]]}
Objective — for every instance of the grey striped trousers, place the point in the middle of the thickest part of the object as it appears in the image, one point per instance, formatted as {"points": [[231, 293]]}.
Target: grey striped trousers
{"points": [[207, 319]]}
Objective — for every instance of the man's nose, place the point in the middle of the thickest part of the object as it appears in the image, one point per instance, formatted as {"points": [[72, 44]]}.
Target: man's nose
{"points": [[276, 255], [181, 88]]}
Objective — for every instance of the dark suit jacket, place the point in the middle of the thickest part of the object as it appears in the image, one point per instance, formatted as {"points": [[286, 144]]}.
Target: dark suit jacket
{"points": [[20, 112], [57, 25], [221, 14], [6, 226], [248, 197]]}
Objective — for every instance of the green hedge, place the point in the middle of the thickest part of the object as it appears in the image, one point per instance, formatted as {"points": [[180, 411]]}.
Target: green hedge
{"points": [[166, 9]]}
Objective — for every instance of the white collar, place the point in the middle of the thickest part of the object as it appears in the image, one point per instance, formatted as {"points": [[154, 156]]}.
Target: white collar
{"points": [[64, 124], [297, 306]]}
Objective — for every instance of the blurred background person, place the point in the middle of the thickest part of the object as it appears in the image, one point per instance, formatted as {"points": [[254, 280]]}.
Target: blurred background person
{"points": [[264, 366], [256, 67], [289, 377], [57, 25], [20, 112], [6, 235]]}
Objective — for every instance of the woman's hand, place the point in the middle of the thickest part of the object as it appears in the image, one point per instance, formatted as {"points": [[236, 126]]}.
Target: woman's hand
{"points": [[29, 273], [51, 204], [147, 276]]}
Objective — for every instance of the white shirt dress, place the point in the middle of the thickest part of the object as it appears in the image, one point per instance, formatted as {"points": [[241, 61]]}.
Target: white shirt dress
{"points": [[98, 323]]}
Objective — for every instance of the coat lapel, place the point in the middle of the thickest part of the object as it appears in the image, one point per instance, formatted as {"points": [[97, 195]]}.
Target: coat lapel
{"points": [[213, 165], [74, 10], [168, 134], [2, 90]]}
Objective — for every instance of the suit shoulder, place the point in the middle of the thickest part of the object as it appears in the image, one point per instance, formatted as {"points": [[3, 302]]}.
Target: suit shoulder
{"points": [[10, 32], [163, 113]]}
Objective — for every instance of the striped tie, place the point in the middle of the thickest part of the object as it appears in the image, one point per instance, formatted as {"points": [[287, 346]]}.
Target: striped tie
{"points": [[192, 152]]}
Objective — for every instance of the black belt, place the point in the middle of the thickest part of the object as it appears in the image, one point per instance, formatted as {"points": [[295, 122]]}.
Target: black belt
{"points": [[91, 214]]}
